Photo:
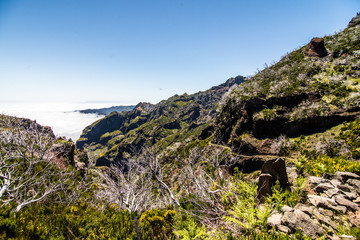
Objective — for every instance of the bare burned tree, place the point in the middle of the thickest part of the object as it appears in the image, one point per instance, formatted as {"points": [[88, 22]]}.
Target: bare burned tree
{"points": [[136, 184], [206, 185], [127, 185], [27, 174], [153, 163]]}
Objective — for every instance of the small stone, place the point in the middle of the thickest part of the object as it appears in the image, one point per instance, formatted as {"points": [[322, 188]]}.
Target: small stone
{"points": [[286, 209], [347, 237], [335, 182], [355, 183], [304, 208], [344, 176], [350, 195], [283, 228], [345, 202], [292, 174], [274, 219], [324, 202], [323, 187], [314, 181], [326, 212], [357, 200], [355, 219], [331, 192], [345, 188], [349, 191]]}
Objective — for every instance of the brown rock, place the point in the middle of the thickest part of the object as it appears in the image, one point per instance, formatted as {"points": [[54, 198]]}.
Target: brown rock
{"points": [[316, 48], [272, 171], [305, 209], [277, 169], [266, 181], [335, 182], [326, 212], [63, 152], [331, 192], [313, 180], [324, 219]]}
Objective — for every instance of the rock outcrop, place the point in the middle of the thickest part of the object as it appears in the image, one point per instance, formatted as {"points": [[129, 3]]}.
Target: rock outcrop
{"points": [[354, 21], [316, 48], [339, 192], [64, 155], [338, 196]]}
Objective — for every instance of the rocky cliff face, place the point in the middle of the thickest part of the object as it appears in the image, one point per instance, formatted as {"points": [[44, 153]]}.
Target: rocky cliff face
{"points": [[308, 91]]}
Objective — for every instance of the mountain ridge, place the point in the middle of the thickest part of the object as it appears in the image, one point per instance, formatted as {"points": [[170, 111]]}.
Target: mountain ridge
{"points": [[185, 110]]}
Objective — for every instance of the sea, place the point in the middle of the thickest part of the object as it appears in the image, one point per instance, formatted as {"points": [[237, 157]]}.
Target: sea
{"points": [[61, 117]]}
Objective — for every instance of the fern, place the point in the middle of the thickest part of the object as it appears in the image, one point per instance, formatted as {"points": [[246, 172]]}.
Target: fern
{"points": [[192, 231]]}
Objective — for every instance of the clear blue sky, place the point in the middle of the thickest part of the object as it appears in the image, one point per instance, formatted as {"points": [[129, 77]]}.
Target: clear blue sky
{"points": [[130, 50]]}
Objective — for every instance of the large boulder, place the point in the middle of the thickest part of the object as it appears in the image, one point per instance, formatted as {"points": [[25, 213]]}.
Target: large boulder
{"points": [[272, 171]]}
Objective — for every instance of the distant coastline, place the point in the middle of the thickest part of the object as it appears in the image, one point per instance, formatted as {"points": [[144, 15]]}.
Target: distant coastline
{"points": [[106, 111]]}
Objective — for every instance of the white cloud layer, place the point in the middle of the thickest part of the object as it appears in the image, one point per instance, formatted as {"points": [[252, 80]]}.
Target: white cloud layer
{"points": [[59, 116]]}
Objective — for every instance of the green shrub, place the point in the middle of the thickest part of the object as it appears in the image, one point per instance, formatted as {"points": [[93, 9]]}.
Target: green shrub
{"points": [[350, 133], [157, 223], [52, 221], [325, 164]]}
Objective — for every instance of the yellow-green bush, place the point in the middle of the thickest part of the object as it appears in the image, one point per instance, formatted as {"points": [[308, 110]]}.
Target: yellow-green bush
{"points": [[325, 164], [157, 223]]}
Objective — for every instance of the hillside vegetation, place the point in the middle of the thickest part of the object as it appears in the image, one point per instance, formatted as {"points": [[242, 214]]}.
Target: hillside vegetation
{"points": [[273, 156]]}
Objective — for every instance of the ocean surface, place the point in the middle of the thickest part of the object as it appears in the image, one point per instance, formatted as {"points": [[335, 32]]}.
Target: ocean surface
{"points": [[61, 117]]}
